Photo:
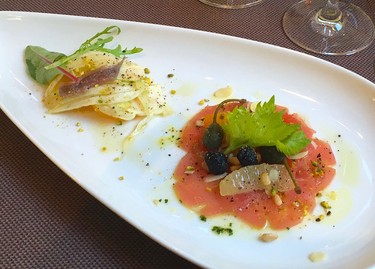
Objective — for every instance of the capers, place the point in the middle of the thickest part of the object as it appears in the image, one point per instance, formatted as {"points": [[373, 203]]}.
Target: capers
{"points": [[213, 136]]}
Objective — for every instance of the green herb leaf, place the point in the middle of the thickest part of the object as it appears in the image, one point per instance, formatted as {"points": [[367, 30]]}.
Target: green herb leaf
{"points": [[37, 58], [96, 43], [264, 127], [293, 144]]}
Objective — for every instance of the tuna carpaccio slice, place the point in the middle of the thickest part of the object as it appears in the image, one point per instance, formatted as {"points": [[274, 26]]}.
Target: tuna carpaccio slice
{"points": [[313, 173]]}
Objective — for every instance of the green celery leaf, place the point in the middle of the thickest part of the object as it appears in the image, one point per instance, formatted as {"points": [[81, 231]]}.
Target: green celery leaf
{"points": [[293, 144], [264, 127], [37, 59]]}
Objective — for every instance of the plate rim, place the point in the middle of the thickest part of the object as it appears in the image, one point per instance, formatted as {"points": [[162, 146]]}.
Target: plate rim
{"points": [[193, 31]]}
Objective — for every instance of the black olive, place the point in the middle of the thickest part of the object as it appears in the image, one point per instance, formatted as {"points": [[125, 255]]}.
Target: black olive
{"points": [[217, 162], [247, 156], [271, 155], [213, 136]]}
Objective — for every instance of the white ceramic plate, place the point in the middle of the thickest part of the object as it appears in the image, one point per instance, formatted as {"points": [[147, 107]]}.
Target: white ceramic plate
{"points": [[333, 100]]}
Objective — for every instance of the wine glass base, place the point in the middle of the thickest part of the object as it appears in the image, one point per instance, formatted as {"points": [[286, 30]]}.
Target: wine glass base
{"points": [[231, 4], [353, 31]]}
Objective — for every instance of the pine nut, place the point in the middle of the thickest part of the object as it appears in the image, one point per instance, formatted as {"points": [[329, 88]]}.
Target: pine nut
{"points": [[265, 179], [274, 175], [268, 237], [234, 160], [199, 123], [277, 200], [317, 256]]}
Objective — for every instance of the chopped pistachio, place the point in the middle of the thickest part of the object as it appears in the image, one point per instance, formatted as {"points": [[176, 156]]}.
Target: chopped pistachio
{"points": [[325, 205], [189, 169]]}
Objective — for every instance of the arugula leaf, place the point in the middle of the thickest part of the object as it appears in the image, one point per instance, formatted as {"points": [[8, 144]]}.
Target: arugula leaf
{"points": [[37, 58], [96, 43], [264, 127]]}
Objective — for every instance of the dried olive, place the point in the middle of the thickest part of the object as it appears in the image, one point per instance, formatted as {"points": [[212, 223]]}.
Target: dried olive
{"points": [[216, 162], [247, 156], [271, 155]]}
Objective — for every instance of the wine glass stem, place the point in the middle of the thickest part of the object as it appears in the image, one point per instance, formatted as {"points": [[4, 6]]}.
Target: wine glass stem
{"points": [[331, 11]]}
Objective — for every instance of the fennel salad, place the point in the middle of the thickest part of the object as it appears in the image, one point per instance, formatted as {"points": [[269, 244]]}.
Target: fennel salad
{"points": [[99, 77]]}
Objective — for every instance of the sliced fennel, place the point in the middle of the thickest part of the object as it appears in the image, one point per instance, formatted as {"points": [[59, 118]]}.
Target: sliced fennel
{"points": [[130, 95]]}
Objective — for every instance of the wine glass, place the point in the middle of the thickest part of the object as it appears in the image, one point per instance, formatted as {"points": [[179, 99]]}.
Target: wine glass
{"points": [[329, 27], [231, 4]]}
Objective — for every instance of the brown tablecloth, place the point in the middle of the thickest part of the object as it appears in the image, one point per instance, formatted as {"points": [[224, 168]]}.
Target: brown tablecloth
{"points": [[46, 219]]}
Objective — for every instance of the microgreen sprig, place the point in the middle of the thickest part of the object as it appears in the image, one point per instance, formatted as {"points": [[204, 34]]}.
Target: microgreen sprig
{"points": [[97, 43]]}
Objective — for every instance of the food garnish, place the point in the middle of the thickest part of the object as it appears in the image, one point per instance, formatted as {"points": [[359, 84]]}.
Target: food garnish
{"points": [[268, 237], [271, 177], [264, 127], [245, 130], [317, 256], [255, 161], [99, 77]]}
